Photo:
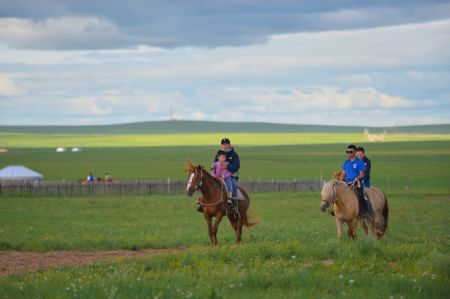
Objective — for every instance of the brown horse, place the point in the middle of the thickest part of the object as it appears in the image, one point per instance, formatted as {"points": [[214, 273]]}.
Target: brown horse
{"points": [[346, 209], [213, 201]]}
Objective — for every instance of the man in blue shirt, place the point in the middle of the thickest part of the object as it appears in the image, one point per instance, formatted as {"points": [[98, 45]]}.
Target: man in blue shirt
{"points": [[353, 171]]}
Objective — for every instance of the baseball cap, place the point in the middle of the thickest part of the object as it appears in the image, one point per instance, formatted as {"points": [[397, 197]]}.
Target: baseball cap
{"points": [[225, 141]]}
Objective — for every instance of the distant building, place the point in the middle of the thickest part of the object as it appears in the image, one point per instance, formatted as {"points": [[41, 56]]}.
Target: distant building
{"points": [[3, 150], [76, 149], [60, 150]]}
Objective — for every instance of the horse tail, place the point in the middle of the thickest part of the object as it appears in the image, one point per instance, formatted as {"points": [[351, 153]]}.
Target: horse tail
{"points": [[252, 221], [385, 213]]}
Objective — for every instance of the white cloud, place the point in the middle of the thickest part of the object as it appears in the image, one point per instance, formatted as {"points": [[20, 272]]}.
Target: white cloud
{"points": [[8, 87], [306, 77], [377, 48], [325, 98], [87, 106]]}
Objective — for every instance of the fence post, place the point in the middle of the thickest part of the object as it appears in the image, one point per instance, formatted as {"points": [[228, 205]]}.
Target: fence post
{"points": [[168, 186]]}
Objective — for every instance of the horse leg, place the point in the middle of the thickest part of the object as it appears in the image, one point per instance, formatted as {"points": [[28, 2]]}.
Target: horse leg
{"points": [[339, 228], [352, 229], [210, 227], [238, 230], [216, 227], [365, 228]]}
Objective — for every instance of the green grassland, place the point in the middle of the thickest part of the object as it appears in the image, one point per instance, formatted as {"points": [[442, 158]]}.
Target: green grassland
{"points": [[412, 166], [292, 253], [28, 140]]}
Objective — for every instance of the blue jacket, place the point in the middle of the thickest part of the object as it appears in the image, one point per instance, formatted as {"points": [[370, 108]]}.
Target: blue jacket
{"points": [[233, 162]]}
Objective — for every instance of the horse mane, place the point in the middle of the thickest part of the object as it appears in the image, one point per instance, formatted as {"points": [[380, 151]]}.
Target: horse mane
{"points": [[190, 167], [327, 192], [336, 175]]}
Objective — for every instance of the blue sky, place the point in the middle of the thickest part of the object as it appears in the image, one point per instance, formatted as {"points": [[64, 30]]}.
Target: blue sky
{"points": [[374, 63]]}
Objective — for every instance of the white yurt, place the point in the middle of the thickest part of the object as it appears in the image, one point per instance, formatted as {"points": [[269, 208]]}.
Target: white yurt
{"points": [[19, 173]]}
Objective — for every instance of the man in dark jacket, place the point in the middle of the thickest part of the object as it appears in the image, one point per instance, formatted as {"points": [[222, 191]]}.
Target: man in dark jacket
{"points": [[362, 155], [233, 165]]}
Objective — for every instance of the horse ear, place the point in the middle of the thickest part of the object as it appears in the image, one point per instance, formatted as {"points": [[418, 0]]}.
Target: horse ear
{"points": [[189, 166]]}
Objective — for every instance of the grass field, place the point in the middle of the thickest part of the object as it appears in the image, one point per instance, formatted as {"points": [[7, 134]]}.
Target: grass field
{"points": [[412, 166], [293, 252], [27, 140]]}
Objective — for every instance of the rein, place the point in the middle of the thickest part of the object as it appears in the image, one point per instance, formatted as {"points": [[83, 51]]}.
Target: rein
{"points": [[333, 199], [199, 187]]}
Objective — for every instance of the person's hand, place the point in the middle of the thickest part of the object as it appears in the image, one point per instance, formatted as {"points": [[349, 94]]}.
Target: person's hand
{"points": [[225, 165]]}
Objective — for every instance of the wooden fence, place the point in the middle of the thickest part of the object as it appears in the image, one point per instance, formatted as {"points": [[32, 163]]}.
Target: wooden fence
{"points": [[45, 189]]}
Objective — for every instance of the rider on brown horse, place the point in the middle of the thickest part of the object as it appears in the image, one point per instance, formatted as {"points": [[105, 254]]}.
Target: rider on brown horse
{"points": [[353, 171], [232, 164]]}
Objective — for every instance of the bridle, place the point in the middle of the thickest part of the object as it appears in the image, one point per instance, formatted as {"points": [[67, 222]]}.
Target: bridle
{"points": [[199, 186], [333, 197]]}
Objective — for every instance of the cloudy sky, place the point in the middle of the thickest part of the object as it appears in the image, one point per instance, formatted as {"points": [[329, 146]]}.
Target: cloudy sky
{"points": [[313, 62]]}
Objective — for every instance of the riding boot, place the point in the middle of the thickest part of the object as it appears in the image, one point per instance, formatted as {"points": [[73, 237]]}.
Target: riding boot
{"points": [[362, 204], [234, 204], [367, 205]]}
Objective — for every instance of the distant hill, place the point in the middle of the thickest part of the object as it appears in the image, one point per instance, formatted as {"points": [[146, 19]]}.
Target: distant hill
{"points": [[184, 126]]}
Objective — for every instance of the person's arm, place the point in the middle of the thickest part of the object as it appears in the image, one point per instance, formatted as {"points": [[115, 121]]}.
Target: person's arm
{"points": [[234, 167], [213, 169], [362, 170], [361, 175], [215, 160], [368, 168]]}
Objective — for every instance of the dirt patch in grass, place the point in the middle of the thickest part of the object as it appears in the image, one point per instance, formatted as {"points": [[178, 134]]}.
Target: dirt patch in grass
{"points": [[17, 262], [327, 262], [439, 197]]}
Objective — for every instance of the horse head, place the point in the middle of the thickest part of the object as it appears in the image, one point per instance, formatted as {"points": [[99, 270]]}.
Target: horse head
{"points": [[195, 180], [328, 195]]}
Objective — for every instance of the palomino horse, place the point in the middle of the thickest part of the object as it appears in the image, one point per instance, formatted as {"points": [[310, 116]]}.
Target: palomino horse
{"points": [[214, 196], [346, 209]]}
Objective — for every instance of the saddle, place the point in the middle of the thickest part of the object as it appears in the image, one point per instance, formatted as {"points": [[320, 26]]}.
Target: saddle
{"points": [[239, 194]]}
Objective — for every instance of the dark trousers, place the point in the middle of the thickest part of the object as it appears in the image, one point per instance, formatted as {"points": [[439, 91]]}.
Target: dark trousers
{"points": [[364, 208], [234, 181]]}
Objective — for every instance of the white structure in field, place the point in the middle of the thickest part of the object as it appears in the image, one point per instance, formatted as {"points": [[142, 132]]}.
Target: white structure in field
{"points": [[76, 149], [19, 173], [374, 137], [60, 150]]}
